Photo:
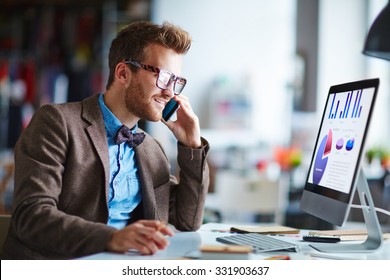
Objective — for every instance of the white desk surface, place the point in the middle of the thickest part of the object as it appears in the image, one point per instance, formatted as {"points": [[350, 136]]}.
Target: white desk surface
{"points": [[186, 244]]}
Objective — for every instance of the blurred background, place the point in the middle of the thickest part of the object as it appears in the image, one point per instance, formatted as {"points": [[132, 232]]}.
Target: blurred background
{"points": [[258, 75]]}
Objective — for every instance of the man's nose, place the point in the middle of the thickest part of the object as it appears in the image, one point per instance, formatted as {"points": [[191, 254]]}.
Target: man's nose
{"points": [[169, 91]]}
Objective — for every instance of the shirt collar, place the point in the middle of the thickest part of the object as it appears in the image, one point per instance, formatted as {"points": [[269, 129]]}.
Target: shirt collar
{"points": [[110, 120]]}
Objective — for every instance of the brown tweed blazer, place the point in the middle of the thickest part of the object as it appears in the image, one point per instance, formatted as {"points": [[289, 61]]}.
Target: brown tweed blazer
{"points": [[61, 184]]}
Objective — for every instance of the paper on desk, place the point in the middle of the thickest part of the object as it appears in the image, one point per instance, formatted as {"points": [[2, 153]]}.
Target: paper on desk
{"points": [[265, 229]]}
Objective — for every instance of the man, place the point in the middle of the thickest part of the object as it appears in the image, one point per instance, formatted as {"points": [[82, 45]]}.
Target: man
{"points": [[80, 190]]}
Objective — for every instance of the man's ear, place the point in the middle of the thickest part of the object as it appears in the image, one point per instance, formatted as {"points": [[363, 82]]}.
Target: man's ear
{"points": [[122, 72]]}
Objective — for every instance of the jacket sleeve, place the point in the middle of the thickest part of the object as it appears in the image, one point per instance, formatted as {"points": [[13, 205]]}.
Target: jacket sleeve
{"points": [[188, 196]]}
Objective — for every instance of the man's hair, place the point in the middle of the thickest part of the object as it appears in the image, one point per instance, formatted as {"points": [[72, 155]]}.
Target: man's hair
{"points": [[132, 40]]}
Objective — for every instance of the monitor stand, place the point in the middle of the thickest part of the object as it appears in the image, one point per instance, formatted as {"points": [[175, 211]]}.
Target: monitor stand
{"points": [[374, 233]]}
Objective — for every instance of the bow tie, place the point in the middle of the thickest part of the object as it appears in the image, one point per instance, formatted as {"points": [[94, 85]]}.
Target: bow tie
{"points": [[124, 134]]}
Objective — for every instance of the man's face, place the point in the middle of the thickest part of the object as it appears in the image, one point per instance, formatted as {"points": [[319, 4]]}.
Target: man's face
{"points": [[143, 98]]}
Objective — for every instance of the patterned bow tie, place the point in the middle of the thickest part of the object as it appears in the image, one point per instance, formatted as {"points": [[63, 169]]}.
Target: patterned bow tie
{"points": [[124, 134]]}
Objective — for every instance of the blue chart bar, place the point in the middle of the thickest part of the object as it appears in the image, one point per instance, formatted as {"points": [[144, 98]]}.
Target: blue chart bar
{"points": [[356, 110], [331, 108], [358, 107], [354, 104], [346, 106], [349, 99], [337, 107]]}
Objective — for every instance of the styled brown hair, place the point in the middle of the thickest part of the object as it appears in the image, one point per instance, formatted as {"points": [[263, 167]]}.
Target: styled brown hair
{"points": [[132, 40]]}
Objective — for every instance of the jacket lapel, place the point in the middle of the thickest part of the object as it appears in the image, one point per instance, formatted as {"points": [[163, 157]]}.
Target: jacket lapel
{"points": [[97, 133]]}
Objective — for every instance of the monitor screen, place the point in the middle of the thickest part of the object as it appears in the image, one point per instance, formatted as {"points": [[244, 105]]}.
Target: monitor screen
{"points": [[335, 164]]}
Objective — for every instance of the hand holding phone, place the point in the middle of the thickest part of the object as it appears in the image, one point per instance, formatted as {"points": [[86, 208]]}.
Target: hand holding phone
{"points": [[186, 127], [170, 109]]}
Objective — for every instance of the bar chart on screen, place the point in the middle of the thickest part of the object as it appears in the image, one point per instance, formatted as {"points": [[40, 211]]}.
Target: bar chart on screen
{"points": [[342, 109]]}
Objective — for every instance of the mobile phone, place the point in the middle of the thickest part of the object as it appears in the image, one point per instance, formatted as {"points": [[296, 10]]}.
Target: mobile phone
{"points": [[324, 239], [169, 109]]}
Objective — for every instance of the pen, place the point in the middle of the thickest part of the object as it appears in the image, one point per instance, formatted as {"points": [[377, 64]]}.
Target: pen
{"points": [[282, 257], [325, 239]]}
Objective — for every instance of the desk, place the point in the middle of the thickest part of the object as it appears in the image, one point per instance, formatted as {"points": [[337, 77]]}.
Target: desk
{"points": [[185, 244]]}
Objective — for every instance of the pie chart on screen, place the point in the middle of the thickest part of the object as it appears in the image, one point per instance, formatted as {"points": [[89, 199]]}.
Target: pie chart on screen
{"points": [[349, 145], [321, 159], [339, 144]]}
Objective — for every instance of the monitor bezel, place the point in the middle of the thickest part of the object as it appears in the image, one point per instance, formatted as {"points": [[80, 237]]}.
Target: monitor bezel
{"points": [[325, 203]]}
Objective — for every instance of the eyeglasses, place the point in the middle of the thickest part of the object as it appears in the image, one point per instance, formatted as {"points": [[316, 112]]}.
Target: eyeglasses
{"points": [[164, 78]]}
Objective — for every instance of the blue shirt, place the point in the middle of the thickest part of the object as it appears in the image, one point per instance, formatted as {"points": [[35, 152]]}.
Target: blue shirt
{"points": [[124, 185]]}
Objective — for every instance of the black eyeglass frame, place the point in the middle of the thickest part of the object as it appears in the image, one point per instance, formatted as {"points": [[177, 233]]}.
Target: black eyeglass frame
{"points": [[177, 88]]}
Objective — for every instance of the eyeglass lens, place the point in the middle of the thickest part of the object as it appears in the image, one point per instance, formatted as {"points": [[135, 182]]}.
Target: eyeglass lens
{"points": [[165, 78], [179, 85]]}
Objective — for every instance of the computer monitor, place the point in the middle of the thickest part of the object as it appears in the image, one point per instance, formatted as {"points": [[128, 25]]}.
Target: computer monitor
{"points": [[335, 169]]}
